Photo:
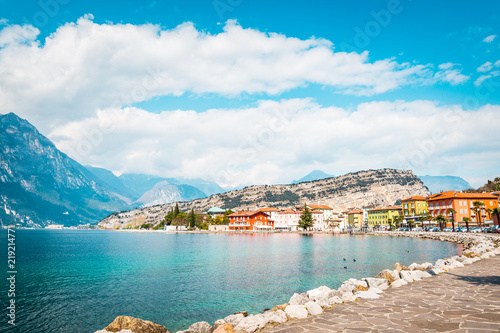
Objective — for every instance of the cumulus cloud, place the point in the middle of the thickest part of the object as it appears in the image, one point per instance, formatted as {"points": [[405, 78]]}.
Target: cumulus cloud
{"points": [[487, 66], [85, 66], [448, 73], [489, 39], [275, 142]]}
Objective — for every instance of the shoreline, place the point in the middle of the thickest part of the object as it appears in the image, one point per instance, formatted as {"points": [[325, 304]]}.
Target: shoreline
{"points": [[475, 247]]}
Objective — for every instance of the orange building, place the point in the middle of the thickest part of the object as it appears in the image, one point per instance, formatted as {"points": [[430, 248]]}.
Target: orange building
{"points": [[250, 220], [463, 204]]}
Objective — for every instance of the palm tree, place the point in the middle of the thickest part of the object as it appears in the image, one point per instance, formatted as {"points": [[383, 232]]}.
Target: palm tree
{"points": [[496, 212], [440, 219], [422, 218], [477, 208], [489, 211], [466, 220], [452, 212]]}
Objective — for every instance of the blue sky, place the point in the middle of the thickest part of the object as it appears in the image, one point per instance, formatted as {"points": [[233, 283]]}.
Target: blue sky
{"points": [[401, 56]]}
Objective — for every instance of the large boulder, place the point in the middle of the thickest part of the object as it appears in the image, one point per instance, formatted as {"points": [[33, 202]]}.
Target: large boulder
{"points": [[313, 308], [399, 267], [280, 307], [199, 327], [329, 302], [234, 319], [218, 323], [351, 284], [299, 299], [278, 317], [387, 275], [398, 283], [135, 325], [296, 311], [250, 324], [377, 283], [225, 328], [314, 293]]}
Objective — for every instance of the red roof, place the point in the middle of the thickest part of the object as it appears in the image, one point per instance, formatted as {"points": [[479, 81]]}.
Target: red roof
{"points": [[453, 194], [268, 209], [245, 213], [415, 198], [319, 207]]}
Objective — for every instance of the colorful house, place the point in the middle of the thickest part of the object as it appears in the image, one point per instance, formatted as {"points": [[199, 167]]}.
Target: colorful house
{"points": [[413, 208], [326, 210], [463, 205], [355, 218], [272, 212], [250, 220], [383, 217]]}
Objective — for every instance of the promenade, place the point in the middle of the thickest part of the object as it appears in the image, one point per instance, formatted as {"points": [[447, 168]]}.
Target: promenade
{"points": [[467, 299]]}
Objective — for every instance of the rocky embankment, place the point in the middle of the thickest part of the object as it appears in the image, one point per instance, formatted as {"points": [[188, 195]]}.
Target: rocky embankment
{"points": [[358, 189], [315, 301]]}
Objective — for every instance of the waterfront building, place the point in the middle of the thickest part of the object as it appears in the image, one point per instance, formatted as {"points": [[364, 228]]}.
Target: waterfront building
{"points": [[381, 218], [326, 210], [272, 212], [250, 220], [355, 219], [463, 205], [215, 211], [413, 208]]}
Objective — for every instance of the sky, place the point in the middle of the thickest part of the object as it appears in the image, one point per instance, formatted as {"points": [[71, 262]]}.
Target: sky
{"points": [[244, 92]]}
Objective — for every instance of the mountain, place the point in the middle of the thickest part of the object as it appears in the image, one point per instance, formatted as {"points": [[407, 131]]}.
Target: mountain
{"points": [[164, 192], [437, 184], [359, 189], [40, 185], [313, 175], [137, 189]]}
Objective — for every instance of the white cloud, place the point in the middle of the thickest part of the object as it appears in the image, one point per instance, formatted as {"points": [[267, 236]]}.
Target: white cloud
{"points": [[85, 66], [276, 142], [448, 73], [487, 66], [482, 78], [489, 39]]}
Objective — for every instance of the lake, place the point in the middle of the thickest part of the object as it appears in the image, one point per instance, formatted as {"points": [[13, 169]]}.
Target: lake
{"points": [[80, 280]]}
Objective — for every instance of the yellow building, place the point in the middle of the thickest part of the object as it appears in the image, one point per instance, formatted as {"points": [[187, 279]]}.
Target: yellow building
{"points": [[382, 217], [413, 207], [355, 218]]}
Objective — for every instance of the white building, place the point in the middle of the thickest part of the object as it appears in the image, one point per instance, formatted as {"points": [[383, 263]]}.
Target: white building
{"points": [[288, 220]]}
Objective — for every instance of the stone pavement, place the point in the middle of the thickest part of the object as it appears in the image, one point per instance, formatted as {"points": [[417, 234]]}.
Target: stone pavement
{"points": [[466, 299]]}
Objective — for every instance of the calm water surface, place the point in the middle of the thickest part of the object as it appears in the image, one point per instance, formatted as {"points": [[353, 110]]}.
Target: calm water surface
{"points": [[79, 281]]}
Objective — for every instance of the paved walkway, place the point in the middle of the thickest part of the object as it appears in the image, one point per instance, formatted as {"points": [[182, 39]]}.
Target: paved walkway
{"points": [[466, 299]]}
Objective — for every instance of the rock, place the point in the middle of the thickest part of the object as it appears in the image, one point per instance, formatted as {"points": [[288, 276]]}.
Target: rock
{"points": [[244, 313], [299, 299], [234, 319], [359, 288], [370, 294], [296, 311], [351, 284], [440, 263], [250, 324], [378, 283], [313, 308], [278, 317], [312, 294], [398, 283], [218, 323], [435, 271], [427, 266], [328, 303], [471, 254], [386, 274], [225, 328], [199, 327], [135, 325], [424, 275], [399, 267], [348, 297], [280, 307]]}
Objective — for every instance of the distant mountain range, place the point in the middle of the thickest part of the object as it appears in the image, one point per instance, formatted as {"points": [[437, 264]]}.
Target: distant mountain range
{"points": [[437, 184], [313, 175]]}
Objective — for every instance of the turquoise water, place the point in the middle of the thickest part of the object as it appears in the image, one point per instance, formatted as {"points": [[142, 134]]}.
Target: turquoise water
{"points": [[79, 281]]}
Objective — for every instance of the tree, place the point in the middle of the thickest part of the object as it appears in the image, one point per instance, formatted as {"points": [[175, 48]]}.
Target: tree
{"points": [[228, 212], [422, 218], [496, 212], [176, 210], [466, 220], [452, 212], [306, 220], [477, 208], [440, 219], [191, 219], [397, 220]]}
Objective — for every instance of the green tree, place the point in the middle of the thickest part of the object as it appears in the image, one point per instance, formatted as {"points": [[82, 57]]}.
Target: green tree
{"points": [[176, 210], [440, 219], [228, 212], [496, 212], [477, 208], [466, 220], [191, 219], [452, 212], [306, 220], [421, 219]]}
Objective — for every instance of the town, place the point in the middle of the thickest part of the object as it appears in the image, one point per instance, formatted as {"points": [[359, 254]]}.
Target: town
{"points": [[449, 210]]}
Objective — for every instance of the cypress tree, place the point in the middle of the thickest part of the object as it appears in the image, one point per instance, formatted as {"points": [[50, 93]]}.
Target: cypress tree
{"points": [[176, 210], [306, 220]]}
